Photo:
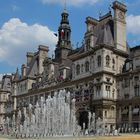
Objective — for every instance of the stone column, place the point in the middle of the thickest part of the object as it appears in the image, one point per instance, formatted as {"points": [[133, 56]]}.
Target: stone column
{"points": [[120, 115], [130, 115]]}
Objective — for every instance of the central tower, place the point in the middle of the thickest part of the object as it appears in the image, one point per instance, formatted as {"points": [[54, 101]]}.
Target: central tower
{"points": [[63, 46]]}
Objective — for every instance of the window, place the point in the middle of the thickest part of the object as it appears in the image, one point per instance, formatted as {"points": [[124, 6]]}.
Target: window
{"points": [[112, 112], [106, 114], [126, 95], [98, 90], [21, 88], [61, 73], [82, 67], [107, 60], [126, 82], [113, 66], [87, 66], [136, 90], [78, 69], [99, 61], [108, 91], [136, 78], [88, 44], [113, 61]]}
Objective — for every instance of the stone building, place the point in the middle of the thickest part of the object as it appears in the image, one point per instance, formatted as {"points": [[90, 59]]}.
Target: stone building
{"points": [[100, 74], [128, 90], [5, 93]]}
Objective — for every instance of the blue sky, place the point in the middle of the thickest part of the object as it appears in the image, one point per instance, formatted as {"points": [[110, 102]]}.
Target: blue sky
{"points": [[24, 24]]}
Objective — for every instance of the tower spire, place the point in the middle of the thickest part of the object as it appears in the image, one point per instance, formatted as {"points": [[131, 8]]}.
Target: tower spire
{"points": [[64, 37]]}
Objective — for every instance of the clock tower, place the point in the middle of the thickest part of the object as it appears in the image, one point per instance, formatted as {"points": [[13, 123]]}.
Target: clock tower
{"points": [[63, 46], [120, 25]]}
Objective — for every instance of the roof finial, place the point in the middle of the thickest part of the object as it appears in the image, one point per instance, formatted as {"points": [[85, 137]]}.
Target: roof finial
{"points": [[65, 4]]}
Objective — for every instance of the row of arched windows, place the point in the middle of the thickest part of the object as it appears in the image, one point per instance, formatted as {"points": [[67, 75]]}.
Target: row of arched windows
{"points": [[99, 62], [80, 68], [108, 59]]}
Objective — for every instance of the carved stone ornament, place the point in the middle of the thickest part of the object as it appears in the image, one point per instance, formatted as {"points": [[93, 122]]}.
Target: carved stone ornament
{"points": [[121, 15]]}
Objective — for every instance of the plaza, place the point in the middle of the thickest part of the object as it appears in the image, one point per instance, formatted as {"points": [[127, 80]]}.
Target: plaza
{"points": [[122, 137]]}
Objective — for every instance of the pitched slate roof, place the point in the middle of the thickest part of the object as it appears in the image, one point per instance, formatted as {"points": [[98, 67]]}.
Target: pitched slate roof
{"points": [[16, 76], [104, 30]]}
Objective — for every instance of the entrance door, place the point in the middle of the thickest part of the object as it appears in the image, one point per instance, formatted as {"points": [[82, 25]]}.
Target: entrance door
{"points": [[83, 118]]}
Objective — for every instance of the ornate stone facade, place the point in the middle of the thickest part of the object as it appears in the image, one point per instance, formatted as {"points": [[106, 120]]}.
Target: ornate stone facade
{"points": [[101, 74], [5, 97]]}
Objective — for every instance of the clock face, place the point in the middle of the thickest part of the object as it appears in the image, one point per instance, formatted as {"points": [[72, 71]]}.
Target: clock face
{"points": [[121, 15]]}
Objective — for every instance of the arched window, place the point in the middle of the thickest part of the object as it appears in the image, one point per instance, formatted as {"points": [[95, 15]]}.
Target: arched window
{"points": [[113, 61], [99, 61], [107, 60], [112, 112], [106, 114], [78, 69], [87, 66]]}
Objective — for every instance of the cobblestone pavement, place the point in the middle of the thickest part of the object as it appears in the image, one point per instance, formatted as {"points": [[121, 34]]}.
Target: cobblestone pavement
{"points": [[122, 137]]}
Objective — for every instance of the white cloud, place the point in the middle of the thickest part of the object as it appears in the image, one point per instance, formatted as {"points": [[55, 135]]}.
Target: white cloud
{"points": [[14, 8], [16, 38], [133, 24], [70, 2]]}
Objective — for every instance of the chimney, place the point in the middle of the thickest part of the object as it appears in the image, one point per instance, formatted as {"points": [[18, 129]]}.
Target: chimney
{"points": [[23, 70], [29, 56], [43, 53], [91, 22]]}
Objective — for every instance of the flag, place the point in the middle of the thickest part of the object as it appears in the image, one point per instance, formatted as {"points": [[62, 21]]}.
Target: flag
{"points": [[62, 33]]}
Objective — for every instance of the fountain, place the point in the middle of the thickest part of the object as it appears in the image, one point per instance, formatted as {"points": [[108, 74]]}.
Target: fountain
{"points": [[53, 117]]}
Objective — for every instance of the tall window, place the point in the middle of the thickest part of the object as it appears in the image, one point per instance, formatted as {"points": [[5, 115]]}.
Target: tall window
{"points": [[108, 91], [136, 90], [99, 61], [98, 91], [113, 66], [88, 44], [78, 69], [112, 112], [106, 114], [87, 66], [126, 82], [107, 60], [82, 68]]}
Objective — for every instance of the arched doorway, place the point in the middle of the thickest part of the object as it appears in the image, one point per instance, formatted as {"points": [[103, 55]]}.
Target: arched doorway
{"points": [[83, 118]]}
